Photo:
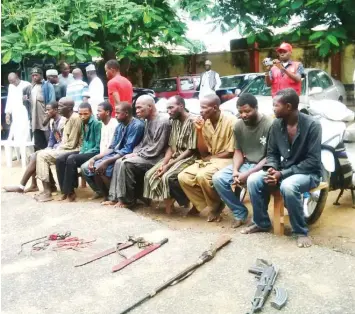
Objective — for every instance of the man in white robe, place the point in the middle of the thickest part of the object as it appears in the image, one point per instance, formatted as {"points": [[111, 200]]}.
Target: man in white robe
{"points": [[96, 88]]}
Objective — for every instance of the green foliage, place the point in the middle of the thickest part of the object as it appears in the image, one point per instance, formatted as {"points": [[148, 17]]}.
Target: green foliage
{"points": [[257, 20], [77, 30]]}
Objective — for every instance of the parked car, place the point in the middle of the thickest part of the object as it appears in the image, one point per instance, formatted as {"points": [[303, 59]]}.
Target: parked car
{"points": [[231, 84], [316, 85], [184, 86]]}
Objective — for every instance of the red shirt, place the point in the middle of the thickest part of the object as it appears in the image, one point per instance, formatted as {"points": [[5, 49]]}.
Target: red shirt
{"points": [[124, 88]]}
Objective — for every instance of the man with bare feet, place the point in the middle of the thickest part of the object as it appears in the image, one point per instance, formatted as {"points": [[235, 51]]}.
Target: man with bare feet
{"points": [[128, 134], [180, 154], [293, 163], [215, 143], [128, 174], [250, 134], [56, 125], [70, 143]]}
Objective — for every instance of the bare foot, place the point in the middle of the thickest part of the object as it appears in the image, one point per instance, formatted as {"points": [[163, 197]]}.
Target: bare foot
{"points": [[253, 228], [44, 198], [54, 189], [303, 241], [237, 223], [169, 206], [32, 188], [108, 203], [63, 197], [96, 196], [121, 205], [13, 189], [193, 211], [213, 217], [71, 197]]}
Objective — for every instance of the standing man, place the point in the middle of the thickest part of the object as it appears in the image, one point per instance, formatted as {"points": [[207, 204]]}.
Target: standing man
{"points": [[67, 164], [180, 154], [77, 89], [128, 174], [293, 161], [56, 125], [209, 82], [59, 88], [250, 136], [65, 78], [119, 88], [96, 88], [127, 136], [284, 73], [15, 109], [70, 142], [215, 143], [39, 94]]}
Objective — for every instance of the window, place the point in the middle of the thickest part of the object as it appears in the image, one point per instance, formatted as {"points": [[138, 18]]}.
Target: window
{"points": [[187, 84], [166, 85], [325, 80], [313, 79], [258, 87], [232, 81], [197, 80]]}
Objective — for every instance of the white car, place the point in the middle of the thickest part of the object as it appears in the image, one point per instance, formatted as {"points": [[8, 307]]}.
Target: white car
{"points": [[316, 85]]}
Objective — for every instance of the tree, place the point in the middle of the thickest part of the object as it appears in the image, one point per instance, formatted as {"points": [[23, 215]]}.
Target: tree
{"points": [[77, 30], [329, 24]]}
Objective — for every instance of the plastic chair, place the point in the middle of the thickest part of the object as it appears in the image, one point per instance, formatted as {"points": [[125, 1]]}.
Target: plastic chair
{"points": [[20, 148]]}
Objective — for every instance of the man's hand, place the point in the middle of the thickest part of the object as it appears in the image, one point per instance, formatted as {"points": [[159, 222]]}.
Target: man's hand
{"points": [[207, 158], [57, 136], [162, 169], [273, 177], [91, 165], [101, 169], [278, 64], [199, 122], [8, 119], [129, 156], [243, 177]]}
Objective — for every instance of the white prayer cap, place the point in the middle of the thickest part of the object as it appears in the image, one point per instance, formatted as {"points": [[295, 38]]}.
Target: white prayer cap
{"points": [[53, 72], [208, 62], [90, 67], [86, 94]]}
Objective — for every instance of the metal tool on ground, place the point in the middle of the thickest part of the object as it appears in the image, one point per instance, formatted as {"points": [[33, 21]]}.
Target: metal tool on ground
{"points": [[141, 242], [204, 258], [266, 274], [51, 237], [280, 298]]}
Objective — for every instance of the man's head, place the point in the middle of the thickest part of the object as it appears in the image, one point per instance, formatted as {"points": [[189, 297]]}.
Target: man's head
{"points": [[37, 75], [52, 109], [85, 112], [65, 106], [208, 65], [175, 106], [123, 111], [77, 74], [90, 71], [209, 106], [13, 79], [104, 110], [247, 106], [112, 67], [145, 106], [52, 76], [64, 69], [284, 52], [285, 102]]}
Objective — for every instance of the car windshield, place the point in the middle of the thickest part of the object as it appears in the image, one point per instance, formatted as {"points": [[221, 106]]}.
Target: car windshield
{"points": [[232, 81], [166, 85]]}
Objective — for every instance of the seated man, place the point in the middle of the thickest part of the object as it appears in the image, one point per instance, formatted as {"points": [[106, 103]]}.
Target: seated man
{"points": [[293, 161], [215, 143], [250, 134], [128, 173], [56, 125], [180, 154], [67, 164], [70, 143], [128, 134]]}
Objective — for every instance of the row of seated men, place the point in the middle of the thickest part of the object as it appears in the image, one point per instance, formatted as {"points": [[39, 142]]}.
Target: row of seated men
{"points": [[191, 160]]}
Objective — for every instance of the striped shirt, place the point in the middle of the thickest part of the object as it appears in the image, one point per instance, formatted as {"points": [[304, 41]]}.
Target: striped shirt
{"points": [[75, 91]]}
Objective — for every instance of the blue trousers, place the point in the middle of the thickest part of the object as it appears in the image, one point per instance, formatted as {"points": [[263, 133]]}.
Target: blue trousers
{"points": [[291, 189], [89, 178], [222, 181]]}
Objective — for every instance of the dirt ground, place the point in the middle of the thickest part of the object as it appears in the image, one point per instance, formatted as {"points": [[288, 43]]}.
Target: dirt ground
{"points": [[335, 228]]}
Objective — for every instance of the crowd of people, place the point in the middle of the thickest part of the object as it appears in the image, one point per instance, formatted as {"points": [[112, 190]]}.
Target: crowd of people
{"points": [[202, 162]]}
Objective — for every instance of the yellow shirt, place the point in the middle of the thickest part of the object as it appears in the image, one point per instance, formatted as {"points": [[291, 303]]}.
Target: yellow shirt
{"points": [[221, 139]]}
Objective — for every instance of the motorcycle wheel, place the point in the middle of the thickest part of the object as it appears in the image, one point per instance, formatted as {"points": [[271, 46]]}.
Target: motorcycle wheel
{"points": [[314, 203]]}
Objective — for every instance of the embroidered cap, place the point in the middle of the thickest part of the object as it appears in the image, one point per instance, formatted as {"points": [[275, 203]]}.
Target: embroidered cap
{"points": [[37, 71], [90, 67]]}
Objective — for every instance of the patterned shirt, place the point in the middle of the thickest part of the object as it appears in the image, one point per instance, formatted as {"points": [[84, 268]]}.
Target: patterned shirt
{"points": [[75, 91], [91, 136]]}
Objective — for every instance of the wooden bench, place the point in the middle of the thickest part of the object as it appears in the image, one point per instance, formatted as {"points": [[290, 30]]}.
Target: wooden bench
{"points": [[278, 221]]}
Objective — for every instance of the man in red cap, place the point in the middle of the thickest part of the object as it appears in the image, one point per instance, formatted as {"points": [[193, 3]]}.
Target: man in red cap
{"points": [[284, 73]]}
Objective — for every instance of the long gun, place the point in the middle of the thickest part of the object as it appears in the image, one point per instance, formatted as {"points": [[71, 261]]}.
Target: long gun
{"points": [[204, 258], [267, 275]]}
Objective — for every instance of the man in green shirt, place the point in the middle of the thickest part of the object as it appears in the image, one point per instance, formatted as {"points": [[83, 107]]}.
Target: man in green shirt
{"points": [[68, 164]]}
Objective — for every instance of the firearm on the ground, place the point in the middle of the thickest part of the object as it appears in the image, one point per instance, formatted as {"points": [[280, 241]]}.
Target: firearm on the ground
{"points": [[204, 258], [280, 298], [266, 274]]}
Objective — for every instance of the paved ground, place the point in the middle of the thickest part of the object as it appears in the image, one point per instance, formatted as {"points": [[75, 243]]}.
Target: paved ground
{"points": [[318, 279]]}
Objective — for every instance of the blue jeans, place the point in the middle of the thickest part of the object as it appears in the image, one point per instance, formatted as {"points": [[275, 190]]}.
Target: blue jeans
{"points": [[291, 189], [89, 178], [222, 181]]}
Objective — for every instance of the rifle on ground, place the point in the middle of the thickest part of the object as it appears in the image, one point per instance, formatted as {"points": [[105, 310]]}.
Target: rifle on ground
{"points": [[204, 258]]}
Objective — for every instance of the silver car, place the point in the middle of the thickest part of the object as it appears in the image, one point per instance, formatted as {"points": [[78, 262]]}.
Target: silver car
{"points": [[316, 85]]}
